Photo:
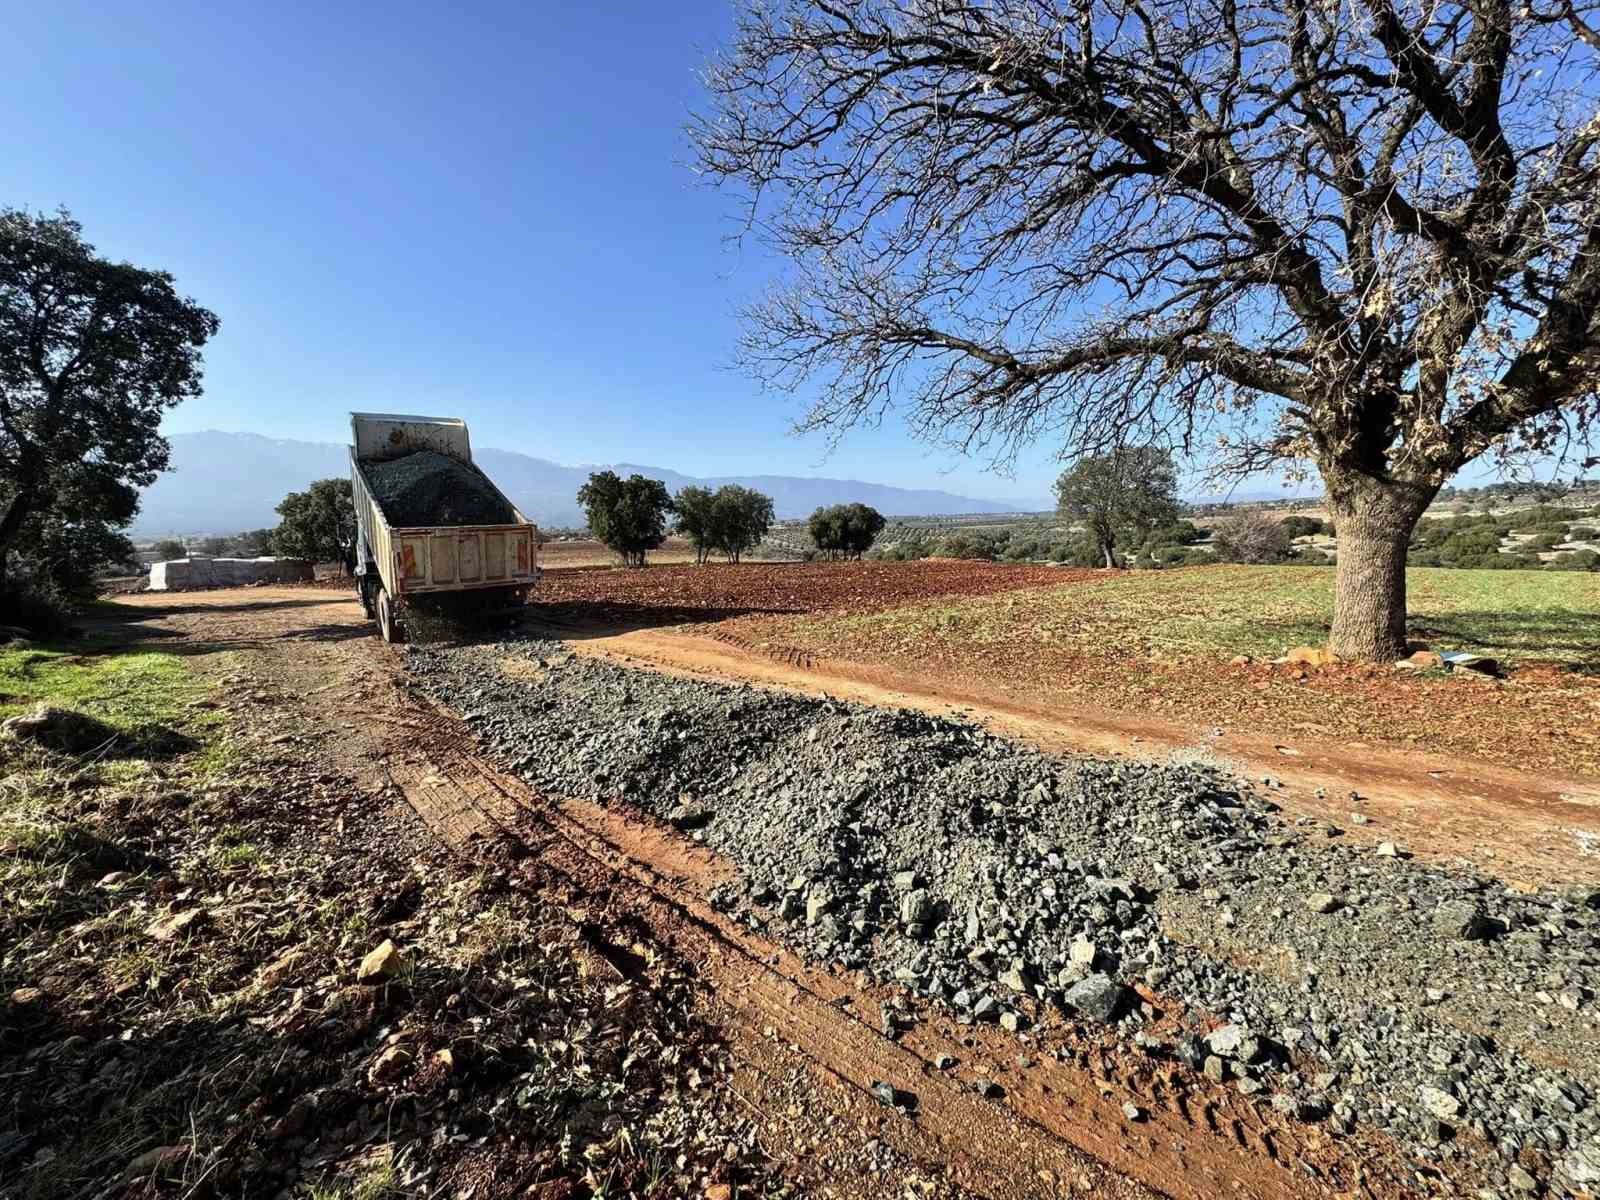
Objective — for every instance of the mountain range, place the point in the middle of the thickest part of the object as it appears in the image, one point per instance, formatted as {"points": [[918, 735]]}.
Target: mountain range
{"points": [[226, 482]]}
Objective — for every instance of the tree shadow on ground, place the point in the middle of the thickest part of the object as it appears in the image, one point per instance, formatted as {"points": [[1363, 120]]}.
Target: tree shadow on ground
{"points": [[1573, 636]]}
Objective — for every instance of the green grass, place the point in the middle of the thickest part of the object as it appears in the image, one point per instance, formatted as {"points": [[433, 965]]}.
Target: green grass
{"points": [[1260, 611], [131, 688], [145, 694]]}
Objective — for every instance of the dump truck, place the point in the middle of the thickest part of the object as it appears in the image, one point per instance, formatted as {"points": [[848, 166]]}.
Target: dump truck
{"points": [[429, 522]]}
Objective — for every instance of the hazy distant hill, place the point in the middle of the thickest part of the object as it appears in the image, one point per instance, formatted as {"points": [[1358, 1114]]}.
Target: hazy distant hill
{"points": [[225, 482]]}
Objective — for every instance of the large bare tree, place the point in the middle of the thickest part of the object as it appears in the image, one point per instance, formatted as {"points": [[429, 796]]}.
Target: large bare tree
{"points": [[1362, 236]]}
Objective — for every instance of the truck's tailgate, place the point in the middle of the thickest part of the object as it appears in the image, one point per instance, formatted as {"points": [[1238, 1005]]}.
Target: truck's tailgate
{"points": [[452, 558]]}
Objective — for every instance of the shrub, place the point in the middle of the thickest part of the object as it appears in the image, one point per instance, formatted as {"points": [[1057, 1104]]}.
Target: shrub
{"points": [[1251, 537], [1548, 538], [1298, 527], [1576, 560], [976, 544]]}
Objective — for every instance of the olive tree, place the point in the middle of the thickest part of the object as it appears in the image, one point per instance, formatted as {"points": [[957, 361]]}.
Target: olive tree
{"points": [[845, 530], [731, 520], [628, 515], [695, 517], [318, 524], [1361, 238], [1132, 487]]}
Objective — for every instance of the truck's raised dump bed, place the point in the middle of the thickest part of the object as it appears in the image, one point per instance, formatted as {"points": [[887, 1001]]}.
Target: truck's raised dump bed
{"points": [[428, 519]]}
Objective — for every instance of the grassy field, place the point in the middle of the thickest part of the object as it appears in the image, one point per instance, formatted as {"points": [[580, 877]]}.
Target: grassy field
{"points": [[1259, 611]]}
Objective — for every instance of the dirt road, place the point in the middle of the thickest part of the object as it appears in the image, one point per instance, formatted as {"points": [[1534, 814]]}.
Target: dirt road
{"points": [[807, 1042]]}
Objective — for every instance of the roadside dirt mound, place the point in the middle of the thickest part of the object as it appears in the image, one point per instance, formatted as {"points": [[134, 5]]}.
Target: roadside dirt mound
{"points": [[427, 488]]}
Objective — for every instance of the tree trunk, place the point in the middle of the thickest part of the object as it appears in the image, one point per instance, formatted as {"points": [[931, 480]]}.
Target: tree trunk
{"points": [[10, 525], [1373, 520], [1109, 549]]}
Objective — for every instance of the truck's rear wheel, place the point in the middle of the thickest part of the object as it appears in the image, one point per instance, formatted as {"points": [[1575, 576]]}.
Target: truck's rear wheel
{"points": [[389, 620]]}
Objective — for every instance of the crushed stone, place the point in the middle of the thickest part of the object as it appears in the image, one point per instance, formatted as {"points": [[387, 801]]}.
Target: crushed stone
{"points": [[1427, 1002], [429, 488]]}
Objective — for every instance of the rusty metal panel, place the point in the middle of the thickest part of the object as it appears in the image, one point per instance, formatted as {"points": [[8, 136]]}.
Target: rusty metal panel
{"points": [[469, 557], [441, 558], [389, 435]]}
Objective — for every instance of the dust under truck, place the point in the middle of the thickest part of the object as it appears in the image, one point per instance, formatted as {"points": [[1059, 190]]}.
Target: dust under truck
{"points": [[429, 522]]}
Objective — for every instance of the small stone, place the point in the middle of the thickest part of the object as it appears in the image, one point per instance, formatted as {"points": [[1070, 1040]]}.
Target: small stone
{"points": [[176, 925], [27, 997], [1215, 1069], [390, 1065], [1388, 850], [1520, 1179], [1583, 1164], [915, 907], [990, 1090], [1440, 1103], [1095, 996], [1083, 951], [292, 1123], [1226, 1040], [280, 968], [943, 1063], [1012, 1021], [381, 964], [817, 903], [905, 881], [689, 816], [1322, 902], [1461, 919], [1014, 979], [1132, 1111]]}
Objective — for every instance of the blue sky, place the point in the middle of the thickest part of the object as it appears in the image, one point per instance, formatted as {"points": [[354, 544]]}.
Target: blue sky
{"points": [[482, 211]]}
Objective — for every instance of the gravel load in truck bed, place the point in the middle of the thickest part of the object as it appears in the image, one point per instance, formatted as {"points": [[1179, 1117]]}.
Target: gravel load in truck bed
{"points": [[428, 488], [1355, 985]]}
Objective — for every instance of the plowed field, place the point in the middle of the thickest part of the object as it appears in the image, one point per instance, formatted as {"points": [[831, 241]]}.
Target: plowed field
{"points": [[666, 592]]}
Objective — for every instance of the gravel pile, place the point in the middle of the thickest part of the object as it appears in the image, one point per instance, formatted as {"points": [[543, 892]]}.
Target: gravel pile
{"points": [[1356, 985], [428, 488]]}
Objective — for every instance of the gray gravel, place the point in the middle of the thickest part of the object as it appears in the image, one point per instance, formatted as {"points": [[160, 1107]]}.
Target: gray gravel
{"points": [[1355, 986], [428, 488]]}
